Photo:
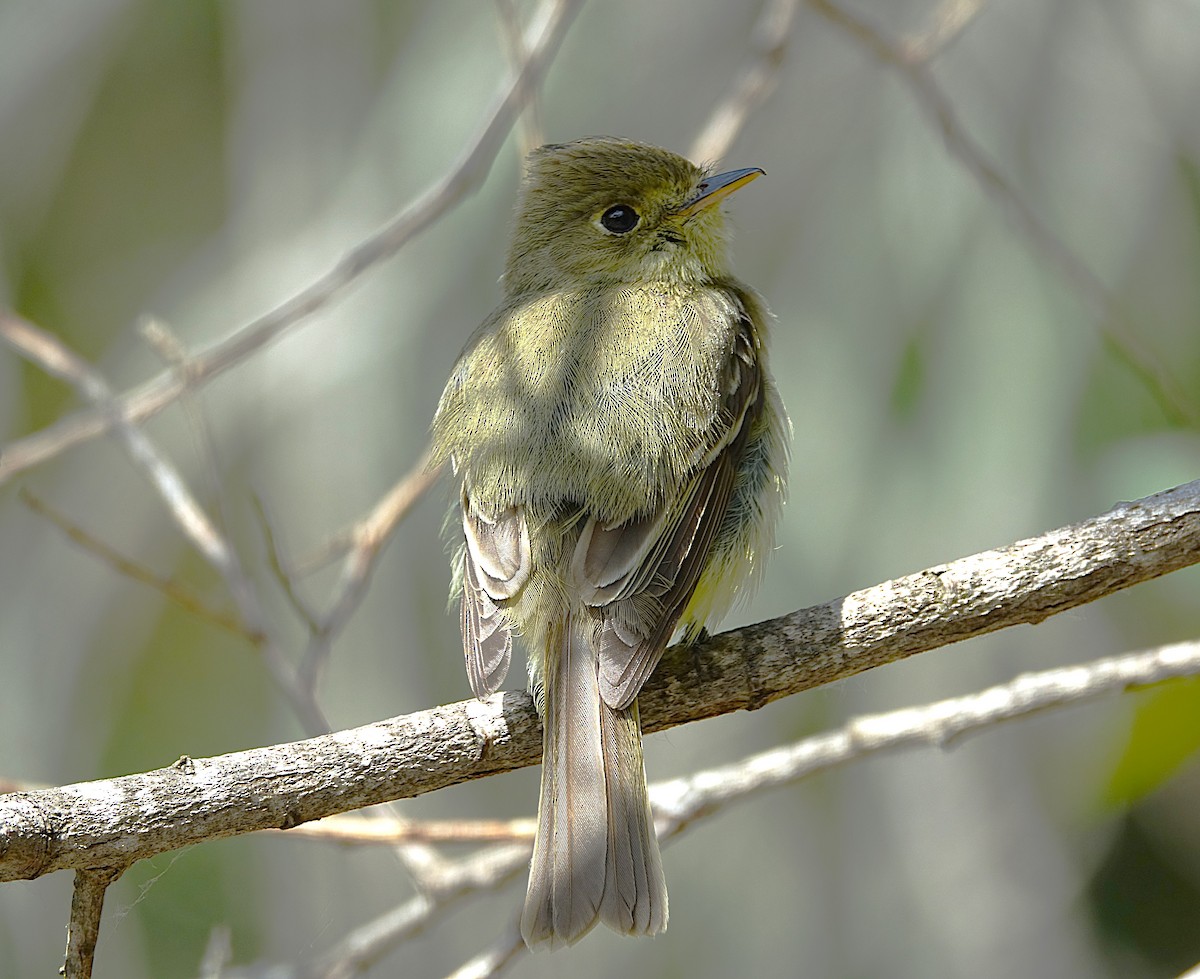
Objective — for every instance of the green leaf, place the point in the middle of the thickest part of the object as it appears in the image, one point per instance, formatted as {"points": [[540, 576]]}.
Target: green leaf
{"points": [[1165, 734]]}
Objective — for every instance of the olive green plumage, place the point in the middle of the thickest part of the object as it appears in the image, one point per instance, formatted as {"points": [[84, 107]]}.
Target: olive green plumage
{"points": [[622, 455]]}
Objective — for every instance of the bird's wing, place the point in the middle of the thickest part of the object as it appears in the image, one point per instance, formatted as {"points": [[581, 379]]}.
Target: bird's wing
{"points": [[640, 575], [496, 564]]}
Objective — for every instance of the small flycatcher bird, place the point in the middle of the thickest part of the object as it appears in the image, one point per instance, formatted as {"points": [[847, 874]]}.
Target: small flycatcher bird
{"points": [[622, 451]]}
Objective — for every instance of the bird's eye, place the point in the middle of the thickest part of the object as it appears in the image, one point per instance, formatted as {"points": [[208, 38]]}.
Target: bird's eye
{"points": [[619, 219]]}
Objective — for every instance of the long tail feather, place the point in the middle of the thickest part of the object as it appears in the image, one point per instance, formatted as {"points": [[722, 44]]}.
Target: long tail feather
{"points": [[635, 891], [596, 856]]}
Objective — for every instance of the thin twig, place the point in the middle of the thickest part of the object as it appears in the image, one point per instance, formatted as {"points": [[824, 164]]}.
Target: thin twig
{"points": [[493, 962], [1114, 323], [87, 903], [367, 945], [276, 562], [946, 26], [175, 592], [370, 535], [756, 81], [371, 531], [355, 830], [550, 24], [530, 130], [174, 353], [54, 357]]}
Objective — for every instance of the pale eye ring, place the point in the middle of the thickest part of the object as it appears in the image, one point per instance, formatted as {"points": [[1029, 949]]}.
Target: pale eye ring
{"points": [[620, 219]]}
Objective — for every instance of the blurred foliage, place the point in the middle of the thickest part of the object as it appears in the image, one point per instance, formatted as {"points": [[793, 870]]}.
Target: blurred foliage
{"points": [[1165, 735], [141, 188], [1147, 910]]}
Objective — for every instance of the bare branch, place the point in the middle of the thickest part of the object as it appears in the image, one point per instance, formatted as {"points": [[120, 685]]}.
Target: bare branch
{"points": [[277, 564], [365, 946], [755, 82], [356, 831], [679, 802], [98, 824], [909, 61], [123, 565], [371, 531], [172, 350], [551, 21], [87, 902], [1022, 583], [503, 953], [530, 131], [369, 536], [55, 358], [945, 27]]}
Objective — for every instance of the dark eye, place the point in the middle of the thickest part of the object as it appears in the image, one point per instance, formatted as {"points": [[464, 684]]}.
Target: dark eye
{"points": [[619, 219]]}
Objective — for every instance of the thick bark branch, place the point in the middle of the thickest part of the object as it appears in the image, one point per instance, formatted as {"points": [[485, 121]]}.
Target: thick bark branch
{"points": [[117, 821], [1020, 584]]}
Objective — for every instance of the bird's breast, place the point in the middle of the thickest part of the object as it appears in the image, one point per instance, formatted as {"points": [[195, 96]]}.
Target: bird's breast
{"points": [[610, 396]]}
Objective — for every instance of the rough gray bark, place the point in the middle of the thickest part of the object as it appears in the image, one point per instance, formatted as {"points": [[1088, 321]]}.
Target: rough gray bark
{"points": [[114, 822]]}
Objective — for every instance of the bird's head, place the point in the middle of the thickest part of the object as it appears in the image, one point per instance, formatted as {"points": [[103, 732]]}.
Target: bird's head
{"points": [[610, 211]]}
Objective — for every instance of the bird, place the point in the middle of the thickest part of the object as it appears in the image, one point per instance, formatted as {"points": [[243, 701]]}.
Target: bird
{"points": [[621, 454]]}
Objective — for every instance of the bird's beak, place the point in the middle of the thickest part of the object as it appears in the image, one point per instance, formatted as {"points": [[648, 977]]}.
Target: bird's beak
{"points": [[716, 188]]}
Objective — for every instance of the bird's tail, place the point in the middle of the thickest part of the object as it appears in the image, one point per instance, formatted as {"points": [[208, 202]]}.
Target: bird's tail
{"points": [[596, 855]]}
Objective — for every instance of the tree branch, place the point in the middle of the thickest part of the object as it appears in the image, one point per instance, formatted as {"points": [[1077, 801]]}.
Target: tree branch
{"points": [[679, 804], [369, 943], [550, 24], [87, 902], [681, 801], [496, 959], [910, 61], [359, 831], [46, 350], [115, 821], [755, 82]]}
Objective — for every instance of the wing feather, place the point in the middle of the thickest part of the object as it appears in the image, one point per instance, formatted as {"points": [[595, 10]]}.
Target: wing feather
{"points": [[496, 565], [639, 575]]}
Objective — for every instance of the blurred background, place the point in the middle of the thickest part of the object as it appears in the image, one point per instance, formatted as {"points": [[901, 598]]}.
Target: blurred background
{"points": [[951, 391]]}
